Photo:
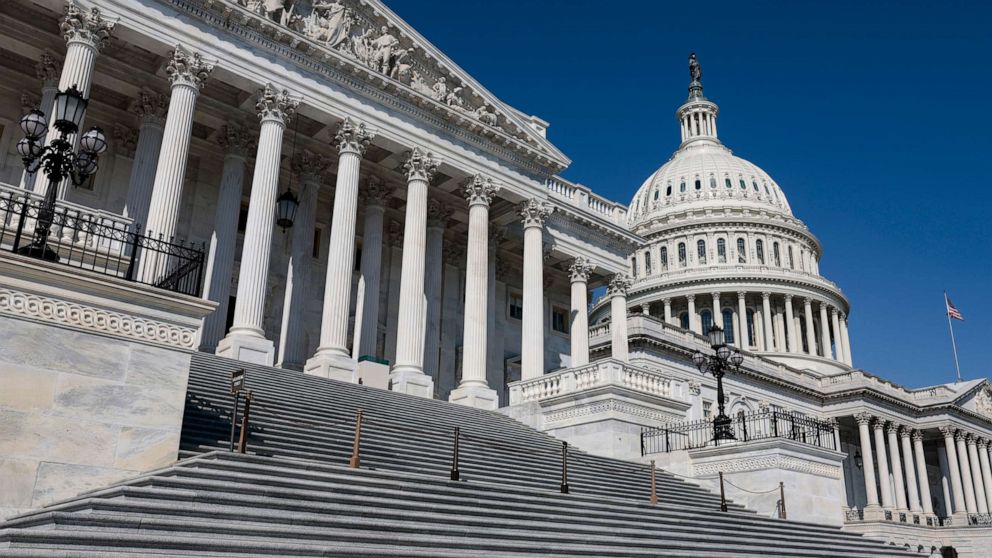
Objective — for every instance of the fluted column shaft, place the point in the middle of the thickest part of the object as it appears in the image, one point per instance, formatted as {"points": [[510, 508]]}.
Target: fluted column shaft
{"points": [[910, 470], [868, 461], [618, 326], [967, 482], [896, 466], [883, 466], [981, 502], [810, 329], [667, 303], [825, 332], [717, 315], [983, 459], [957, 486], [847, 341], [223, 243], [790, 326], [742, 337], [838, 344], [292, 337], [766, 313], [434, 273], [579, 328], [146, 153], [691, 309], [921, 471], [371, 269], [532, 329]]}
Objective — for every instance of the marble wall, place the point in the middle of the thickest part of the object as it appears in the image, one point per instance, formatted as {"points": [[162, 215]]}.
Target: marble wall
{"points": [[79, 411]]}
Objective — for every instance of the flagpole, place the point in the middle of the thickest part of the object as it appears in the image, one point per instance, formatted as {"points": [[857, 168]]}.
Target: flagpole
{"points": [[954, 345]]}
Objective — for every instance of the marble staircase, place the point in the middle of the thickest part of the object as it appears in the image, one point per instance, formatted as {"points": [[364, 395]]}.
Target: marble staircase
{"points": [[293, 493]]}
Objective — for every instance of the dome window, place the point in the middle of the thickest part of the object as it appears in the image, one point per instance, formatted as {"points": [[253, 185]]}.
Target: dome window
{"points": [[743, 185], [721, 250], [792, 261], [682, 187], [681, 254], [775, 254], [728, 326], [701, 252], [668, 191], [767, 193], [755, 184], [728, 183], [656, 192], [684, 320], [663, 258], [699, 184], [706, 317], [712, 182], [759, 251], [741, 251]]}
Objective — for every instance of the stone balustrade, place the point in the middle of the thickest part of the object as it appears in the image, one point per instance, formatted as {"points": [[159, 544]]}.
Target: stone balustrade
{"points": [[606, 372], [582, 196]]}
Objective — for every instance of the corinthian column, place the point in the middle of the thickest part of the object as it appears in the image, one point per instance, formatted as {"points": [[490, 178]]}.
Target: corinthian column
{"points": [[910, 470], [810, 329], [838, 344], [967, 482], [533, 213], [872, 509], [790, 327], [847, 340], [983, 459], [151, 110], [407, 374], [981, 503], [47, 70], [579, 328], [896, 466], [957, 487], [766, 308], [881, 458], [617, 293], [473, 390], [375, 195], [437, 218], [921, 472], [246, 340], [825, 332], [332, 359], [236, 142], [187, 72], [85, 32], [292, 339]]}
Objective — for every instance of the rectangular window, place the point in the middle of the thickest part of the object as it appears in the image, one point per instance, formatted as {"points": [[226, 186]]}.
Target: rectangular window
{"points": [[701, 251], [682, 254], [721, 250], [559, 319], [647, 263], [516, 306], [633, 266], [707, 410], [315, 250], [741, 251], [664, 258]]}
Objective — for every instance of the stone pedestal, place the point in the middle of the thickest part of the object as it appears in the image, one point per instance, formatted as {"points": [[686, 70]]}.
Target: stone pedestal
{"points": [[249, 348], [335, 367]]}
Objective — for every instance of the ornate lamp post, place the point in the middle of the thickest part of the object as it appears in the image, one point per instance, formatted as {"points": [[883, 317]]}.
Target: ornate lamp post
{"points": [[725, 359], [57, 159]]}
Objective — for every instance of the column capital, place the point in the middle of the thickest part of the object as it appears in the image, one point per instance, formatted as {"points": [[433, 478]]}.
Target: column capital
{"points": [[666, 301], [235, 139], [917, 435], [309, 165], [788, 298], [690, 298], [741, 295], [496, 235], [716, 294], [970, 439], [125, 139], [187, 69], [29, 102], [395, 233], [905, 432], [375, 193], [842, 316], [151, 107], [863, 418], [420, 165], [275, 105], [437, 214], [80, 25], [983, 444], [880, 424], [807, 302], [833, 312], [892, 428], [453, 253], [47, 69], [579, 270], [533, 213], [619, 285], [947, 431], [480, 189], [765, 295], [353, 136]]}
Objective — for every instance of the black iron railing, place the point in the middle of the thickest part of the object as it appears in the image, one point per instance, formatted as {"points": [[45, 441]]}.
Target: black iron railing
{"points": [[98, 243], [746, 428]]}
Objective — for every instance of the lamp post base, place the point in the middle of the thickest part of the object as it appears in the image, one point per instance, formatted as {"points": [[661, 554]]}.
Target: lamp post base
{"points": [[39, 251]]}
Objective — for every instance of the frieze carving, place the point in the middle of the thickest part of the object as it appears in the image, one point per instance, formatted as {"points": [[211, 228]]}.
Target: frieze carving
{"points": [[983, 402], [275, 104], [86, 26], [92, 319], [187, 68], [766, 462]]}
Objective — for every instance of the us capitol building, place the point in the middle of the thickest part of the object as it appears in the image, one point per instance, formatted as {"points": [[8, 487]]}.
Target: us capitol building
{"points": [[313, 186]]}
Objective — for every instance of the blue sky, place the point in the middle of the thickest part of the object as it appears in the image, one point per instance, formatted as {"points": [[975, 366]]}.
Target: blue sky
{"points": [[872, 116]]}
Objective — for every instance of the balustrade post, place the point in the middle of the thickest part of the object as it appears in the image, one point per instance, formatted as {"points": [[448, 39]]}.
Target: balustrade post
{"points": [[723, 495], [454, 458], [356, 445], [564, 468], [654, 492]]}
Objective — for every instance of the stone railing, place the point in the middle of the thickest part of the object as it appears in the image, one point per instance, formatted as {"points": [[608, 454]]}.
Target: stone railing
{"points": [[583, 197], [602, 373], [14, 196], [862, 379], [672, 273], [599, 330]]}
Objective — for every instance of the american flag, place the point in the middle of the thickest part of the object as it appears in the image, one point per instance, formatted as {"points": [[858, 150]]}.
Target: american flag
{"points": [[952, 311]]}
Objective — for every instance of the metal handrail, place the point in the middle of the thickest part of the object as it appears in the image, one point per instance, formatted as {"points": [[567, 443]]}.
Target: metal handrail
{"points": [[762, 425]]}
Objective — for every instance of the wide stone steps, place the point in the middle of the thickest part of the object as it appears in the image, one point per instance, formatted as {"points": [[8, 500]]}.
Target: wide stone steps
{"points": [[238, 505]]}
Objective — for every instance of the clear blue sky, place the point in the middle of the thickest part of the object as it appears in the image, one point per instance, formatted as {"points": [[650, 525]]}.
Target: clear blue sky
{"points": [[874, 118]]}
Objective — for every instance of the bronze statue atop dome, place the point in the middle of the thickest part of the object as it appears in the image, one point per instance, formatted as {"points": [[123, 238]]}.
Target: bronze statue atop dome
{"points": [[695, 71]]}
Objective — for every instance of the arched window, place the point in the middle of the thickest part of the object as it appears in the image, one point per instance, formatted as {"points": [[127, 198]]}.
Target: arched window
{"points": [[684, 320], [633, 266], [656, 193], [741, 251], [712, 182], [668, 191], [755, 184], [792, 261], [775, 254], [701, 251], [750, 328], [706, 317], [664, 258], [743, 185], [728, 324], [682, 186], [759, 250], [647, 263], [721, 250], [682, 254], [727, 182], [699, 184]]}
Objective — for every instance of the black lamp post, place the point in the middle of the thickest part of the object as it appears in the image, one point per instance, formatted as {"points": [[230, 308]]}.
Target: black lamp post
{"points": [[725, 359], [57, 159], [286, 206]]}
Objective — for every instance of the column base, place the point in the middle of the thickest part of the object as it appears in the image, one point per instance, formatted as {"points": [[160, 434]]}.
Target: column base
{"points": [[959, 518], [335, 367], [874, 513], [480, 397], [247, 348], [297, 366], [411, 382]]}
